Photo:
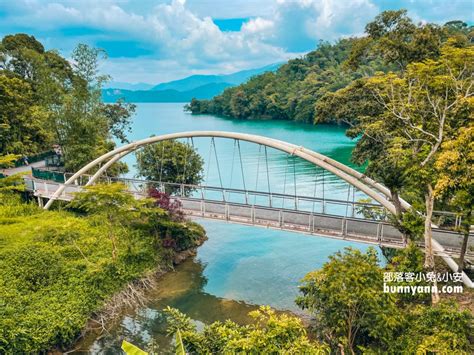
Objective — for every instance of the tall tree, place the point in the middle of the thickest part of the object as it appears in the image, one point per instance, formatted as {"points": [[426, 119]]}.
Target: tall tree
{"points": [[422, 109], [394, 37], [455, 167], [83, 124], [171, 161]]}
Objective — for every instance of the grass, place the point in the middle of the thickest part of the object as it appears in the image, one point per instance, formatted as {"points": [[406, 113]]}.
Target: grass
{"points": [[56, 270]]}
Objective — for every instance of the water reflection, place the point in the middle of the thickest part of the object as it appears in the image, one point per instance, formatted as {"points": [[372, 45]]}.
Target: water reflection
{"points": [[182, 289], [238, 268]]}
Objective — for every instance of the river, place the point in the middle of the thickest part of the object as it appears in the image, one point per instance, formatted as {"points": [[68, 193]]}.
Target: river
{"points": [[239, 267]]}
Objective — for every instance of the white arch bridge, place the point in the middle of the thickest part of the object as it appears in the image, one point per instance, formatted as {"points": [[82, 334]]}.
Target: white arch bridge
{"points": [[302, 213]]}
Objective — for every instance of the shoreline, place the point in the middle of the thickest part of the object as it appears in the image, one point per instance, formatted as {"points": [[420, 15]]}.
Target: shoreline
{"points": [[131, 296]]}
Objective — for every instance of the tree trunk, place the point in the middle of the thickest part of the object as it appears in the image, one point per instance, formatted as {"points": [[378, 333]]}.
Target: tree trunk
{"points": [[398, 210], [463, 249], [397, 204], [429, 257]]}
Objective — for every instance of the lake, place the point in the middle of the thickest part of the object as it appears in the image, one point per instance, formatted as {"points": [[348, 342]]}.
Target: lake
{"points": [[239, 267]]}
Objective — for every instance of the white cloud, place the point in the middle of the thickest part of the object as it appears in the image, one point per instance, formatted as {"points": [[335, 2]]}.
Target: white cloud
{"points": [[181, 37]]}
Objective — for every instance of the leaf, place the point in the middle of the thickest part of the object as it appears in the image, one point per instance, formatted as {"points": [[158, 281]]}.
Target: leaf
{"points": [[131, 349], [179, 344]]}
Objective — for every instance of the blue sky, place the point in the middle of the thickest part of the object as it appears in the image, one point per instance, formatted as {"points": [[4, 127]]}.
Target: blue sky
{"points": [[160, 40]]}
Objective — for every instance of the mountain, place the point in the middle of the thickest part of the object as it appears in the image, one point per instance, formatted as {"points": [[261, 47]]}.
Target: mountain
{"points": [[195, 81], [202, 87], [128, 86], [206, 91]]}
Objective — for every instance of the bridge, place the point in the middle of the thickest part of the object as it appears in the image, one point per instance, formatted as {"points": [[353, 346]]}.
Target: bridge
{"points": [[319, 215]]}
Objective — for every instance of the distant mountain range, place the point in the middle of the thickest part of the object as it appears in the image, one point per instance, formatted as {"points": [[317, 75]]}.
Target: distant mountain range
{"points": [[183, 90], [128, 86], [201, 92]]}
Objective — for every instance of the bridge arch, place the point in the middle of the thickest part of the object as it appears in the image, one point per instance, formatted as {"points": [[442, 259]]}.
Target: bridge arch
{"points": [[371, 188]]}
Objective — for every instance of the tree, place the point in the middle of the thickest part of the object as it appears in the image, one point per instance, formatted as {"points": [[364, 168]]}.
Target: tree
{"points": [[438, 329], [353, 313], [355, 106], [269, 334], [171, 161], [347, 300], [422, 109], [84, 126], [455, 168], [397, 40], [47, 100], [23, 123], [13, 182], [114, 205]]}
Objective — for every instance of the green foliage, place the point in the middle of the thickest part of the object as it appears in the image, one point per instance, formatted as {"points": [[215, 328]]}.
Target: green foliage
{"points": [[292, 91], [46, 100], [170, 161], [56, 269], [409, 259], [411, 225], [353, 313], [371, 212], [11, 183], [22, 120], [440, 329], [394, 37], [270, 333], [347, 299], [84, 124], [131, 349]]}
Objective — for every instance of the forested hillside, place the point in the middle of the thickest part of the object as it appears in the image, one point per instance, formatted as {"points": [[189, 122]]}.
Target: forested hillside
{"points": [[294, 91]]}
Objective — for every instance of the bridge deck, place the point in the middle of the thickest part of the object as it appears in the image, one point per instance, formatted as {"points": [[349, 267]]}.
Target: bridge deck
{"points": [[333, 226]]}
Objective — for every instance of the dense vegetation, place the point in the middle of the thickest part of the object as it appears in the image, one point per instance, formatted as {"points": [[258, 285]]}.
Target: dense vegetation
{"points": [[293, 92], [59, 267], [352, 314], [269, 334], [47, 100]]}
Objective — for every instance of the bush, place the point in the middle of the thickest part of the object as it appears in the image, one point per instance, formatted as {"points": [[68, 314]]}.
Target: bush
{"points": [[270, 333], [56, 268]]}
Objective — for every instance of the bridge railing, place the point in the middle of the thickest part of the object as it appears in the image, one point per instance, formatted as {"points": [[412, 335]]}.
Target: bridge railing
{"points": [[347, 208]]}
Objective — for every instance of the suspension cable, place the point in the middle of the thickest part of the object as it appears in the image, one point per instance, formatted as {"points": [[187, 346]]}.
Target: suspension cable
{"points": [[161, 160], [294, 180], [258, 170], [232, 167], [353, 200], [208, 168], [217, 163], [268, 178], [242, 170], [186, 151], [315, 187], [348, 198], [284, 181]]}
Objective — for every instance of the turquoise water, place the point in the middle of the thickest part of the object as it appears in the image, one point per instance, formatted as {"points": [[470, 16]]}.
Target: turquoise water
{"points": [[239, 267], [282, 174]]}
